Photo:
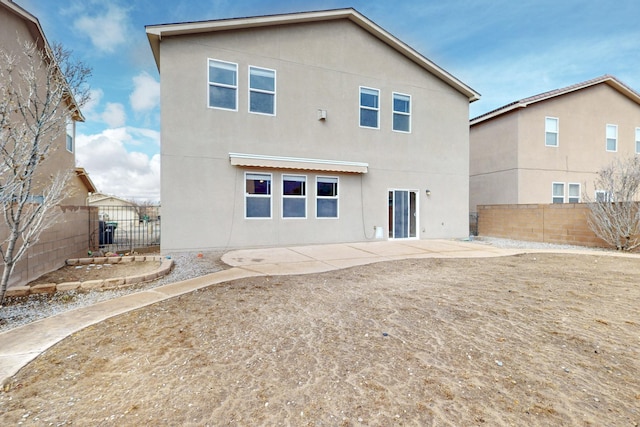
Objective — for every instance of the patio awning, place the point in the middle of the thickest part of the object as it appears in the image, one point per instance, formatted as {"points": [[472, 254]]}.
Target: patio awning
{"points": [[278, 162]]}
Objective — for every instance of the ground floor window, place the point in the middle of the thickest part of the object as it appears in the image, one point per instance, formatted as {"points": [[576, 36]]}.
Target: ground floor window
{"points": [[257, 195], [294, 196], [326, 197], [558, 192]]}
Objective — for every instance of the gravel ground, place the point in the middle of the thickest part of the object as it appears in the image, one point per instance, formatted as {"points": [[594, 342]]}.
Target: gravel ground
{"points": [[36, 307], [186, 266]]}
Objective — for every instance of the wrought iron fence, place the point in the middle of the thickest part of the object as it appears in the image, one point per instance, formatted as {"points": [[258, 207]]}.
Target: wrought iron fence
{"points": [[473, 223], [126, 228]]}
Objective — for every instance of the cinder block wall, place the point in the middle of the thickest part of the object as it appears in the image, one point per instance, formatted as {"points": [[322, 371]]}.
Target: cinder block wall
{"points": [[68, 238], [549, 223]]}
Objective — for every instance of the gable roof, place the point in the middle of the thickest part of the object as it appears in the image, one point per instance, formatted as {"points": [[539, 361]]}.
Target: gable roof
{"points": [[86, 181], [525, 102], [33, 25], [155, 33]]}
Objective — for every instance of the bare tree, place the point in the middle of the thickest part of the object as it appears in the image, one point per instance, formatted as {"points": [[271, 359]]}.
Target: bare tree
{"points": [[615, 217], [41, 90]]}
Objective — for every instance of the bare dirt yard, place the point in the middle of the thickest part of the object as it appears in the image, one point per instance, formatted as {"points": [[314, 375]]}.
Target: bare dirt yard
{"points": [[535, 339]]}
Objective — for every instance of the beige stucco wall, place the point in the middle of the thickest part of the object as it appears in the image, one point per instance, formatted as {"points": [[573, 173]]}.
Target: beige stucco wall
{"points": [[14, 32], [581, 152], [318, 66], [69, 236]]}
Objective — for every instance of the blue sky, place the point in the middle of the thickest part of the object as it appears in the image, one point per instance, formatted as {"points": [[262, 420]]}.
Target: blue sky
{"points": [[504, 49]]}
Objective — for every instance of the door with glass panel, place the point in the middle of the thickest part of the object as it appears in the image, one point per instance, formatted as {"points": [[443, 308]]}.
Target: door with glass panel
{"points": [[403, 214]]}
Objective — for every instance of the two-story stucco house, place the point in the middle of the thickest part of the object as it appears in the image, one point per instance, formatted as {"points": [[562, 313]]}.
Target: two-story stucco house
{"points": [[549, 147], [69, 237], [314, 127]]}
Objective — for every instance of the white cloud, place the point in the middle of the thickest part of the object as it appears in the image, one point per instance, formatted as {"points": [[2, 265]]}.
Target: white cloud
{"points": [[146, 93], [107, 31], [117, 171], [114, 115]]}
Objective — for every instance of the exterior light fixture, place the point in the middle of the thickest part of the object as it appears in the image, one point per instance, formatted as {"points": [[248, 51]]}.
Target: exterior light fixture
{"points": [[428, 192]]}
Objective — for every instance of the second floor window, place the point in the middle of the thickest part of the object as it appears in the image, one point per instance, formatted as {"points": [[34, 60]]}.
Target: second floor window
{"points": [[637, 140], [262, 90], [401, 112], [551, 131], [612, 138], [71, 132], [223, 85], [369, 107]]}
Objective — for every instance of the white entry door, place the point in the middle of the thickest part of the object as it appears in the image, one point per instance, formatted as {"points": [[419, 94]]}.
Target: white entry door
{"points": [[403, 214]]}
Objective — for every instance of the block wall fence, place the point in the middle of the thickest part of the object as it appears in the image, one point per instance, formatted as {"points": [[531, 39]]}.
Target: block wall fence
{"points": [[548, 223], [70, 237]]}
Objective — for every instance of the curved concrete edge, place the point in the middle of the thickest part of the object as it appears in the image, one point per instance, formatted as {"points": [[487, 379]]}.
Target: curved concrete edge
{"points": [[21, 345], [166, 265]]}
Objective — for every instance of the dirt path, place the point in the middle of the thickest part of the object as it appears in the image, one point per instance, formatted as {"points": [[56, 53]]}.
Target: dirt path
{"points": [[526, 340]]}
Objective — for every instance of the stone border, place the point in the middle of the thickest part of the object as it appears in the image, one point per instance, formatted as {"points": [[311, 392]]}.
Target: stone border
{"points": [[166, 265]]}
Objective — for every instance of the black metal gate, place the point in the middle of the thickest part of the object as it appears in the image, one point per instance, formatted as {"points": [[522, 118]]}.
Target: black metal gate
{"points": [[125, 228]]}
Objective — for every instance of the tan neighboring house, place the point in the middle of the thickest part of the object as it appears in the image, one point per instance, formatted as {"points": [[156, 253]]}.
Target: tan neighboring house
{"points": [[314, 127], [70, 236], [548, 148]]}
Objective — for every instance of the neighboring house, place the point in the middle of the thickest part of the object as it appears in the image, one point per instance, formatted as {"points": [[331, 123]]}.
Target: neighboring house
{"points": [[549, 147], [112, 208], [314, 127], [69, 237]]}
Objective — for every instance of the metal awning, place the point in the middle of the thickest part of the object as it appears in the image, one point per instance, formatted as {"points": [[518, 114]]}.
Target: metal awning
{"points": [[278, 162]]}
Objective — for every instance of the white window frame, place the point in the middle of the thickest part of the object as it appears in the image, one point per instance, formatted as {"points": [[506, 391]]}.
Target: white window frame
{"points": [[603, 196], [70, 134], [637, 140], [553, 194], [556, 132], [362, 107], [248, 196], [570, 198], [263, 91], [401, 113], [615, 137], [336, 197], [223, 85], [294, 197]]}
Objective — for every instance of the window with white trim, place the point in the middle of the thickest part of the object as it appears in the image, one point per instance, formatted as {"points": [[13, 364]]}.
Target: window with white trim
{"points": [[369, 107], [326, 197], [603, 196], [551, 131], [294, 196], [262, 91], [574, 193], [558, 192], [71, 135], [612, 137], [401, 112], [257, 195], [637, 140], [223, 85]]}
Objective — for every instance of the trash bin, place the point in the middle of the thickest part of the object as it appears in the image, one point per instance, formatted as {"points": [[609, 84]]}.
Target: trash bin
{"points": [[106, 231]]}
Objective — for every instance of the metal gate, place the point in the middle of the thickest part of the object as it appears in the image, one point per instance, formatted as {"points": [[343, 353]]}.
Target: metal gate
{"points": [[125, 228]]}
